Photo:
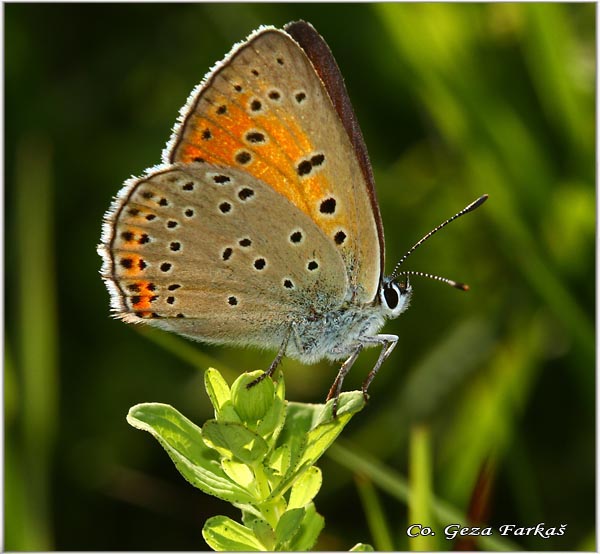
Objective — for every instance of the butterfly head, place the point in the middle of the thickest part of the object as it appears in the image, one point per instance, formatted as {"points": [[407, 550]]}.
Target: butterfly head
{"points": [[394, 295], [395, 290]]}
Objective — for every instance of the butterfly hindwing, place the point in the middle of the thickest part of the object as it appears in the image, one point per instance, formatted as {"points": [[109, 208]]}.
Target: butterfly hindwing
{"points": [[213, 253]]}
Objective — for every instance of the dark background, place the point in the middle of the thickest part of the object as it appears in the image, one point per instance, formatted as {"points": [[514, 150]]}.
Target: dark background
{"points": [[454, 100]]}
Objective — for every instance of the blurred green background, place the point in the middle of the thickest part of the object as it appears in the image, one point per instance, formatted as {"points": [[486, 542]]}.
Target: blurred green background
{"points": [[488, 402]]}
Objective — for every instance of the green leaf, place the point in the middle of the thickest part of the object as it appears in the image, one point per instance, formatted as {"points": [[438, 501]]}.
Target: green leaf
{"points": [[249, 514], [310, 429], [305, 488], [277, 465], [349, 403], [279, 460], [183, 442], [361, 547], [217, 389], [220, 396], [264, 533], [279, 403], [240, 473], [233, 440], [287, 527], [298, 422], [309, 531], [252, 403], [227, 413], [328, 427], [272, 422], [223, 534]]}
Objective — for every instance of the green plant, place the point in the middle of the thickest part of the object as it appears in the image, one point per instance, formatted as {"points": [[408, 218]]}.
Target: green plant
{"points": [[258, 454]]}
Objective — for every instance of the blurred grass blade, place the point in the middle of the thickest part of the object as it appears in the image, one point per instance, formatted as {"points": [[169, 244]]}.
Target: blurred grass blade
{"points": [[523, 481], [375, 514], [15, 483], [37, 353], [420, 498], [588, 544], [395, 485], [499, 151], [491, 408], [442, 373], [548, 46], [186, 351]]}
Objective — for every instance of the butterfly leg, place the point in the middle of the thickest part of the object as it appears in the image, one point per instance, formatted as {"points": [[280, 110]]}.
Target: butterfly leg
{"points": [[388, 343], [276, 361], [336, 388]]}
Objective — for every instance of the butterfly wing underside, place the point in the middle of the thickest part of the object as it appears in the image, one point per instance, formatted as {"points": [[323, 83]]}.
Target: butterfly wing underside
{"points": [[204, 251], [266, 111], [324, 63]]}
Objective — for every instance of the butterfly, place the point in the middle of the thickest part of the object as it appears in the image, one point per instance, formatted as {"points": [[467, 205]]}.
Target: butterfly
{"points": [[262, 227]]}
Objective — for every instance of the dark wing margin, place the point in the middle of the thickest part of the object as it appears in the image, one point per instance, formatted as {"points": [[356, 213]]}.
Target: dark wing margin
{"points": [[317, 51]]}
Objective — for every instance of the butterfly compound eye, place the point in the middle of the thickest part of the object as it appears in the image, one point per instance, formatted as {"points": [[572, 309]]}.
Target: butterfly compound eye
{"points": [[391, 295], [394, 296]]}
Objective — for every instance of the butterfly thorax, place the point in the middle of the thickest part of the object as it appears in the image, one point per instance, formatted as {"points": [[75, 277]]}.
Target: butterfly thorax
{"points": [[333, 335], [337, 333]]}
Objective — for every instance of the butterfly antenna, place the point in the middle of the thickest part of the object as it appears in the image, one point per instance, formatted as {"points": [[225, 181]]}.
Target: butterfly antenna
{"points": [[472, 206], [455, 284]]}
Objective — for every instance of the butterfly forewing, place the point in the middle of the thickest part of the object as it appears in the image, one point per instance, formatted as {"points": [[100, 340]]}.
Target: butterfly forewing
{"points": [[319, 53], [265, 111], [213, 253]]}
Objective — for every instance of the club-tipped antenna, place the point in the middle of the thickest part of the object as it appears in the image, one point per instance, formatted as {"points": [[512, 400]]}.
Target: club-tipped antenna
{"points": [[472, 206], [451, 282]]}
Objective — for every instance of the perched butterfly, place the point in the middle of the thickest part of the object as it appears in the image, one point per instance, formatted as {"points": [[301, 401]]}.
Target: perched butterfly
{"points": [[262, 226]]}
